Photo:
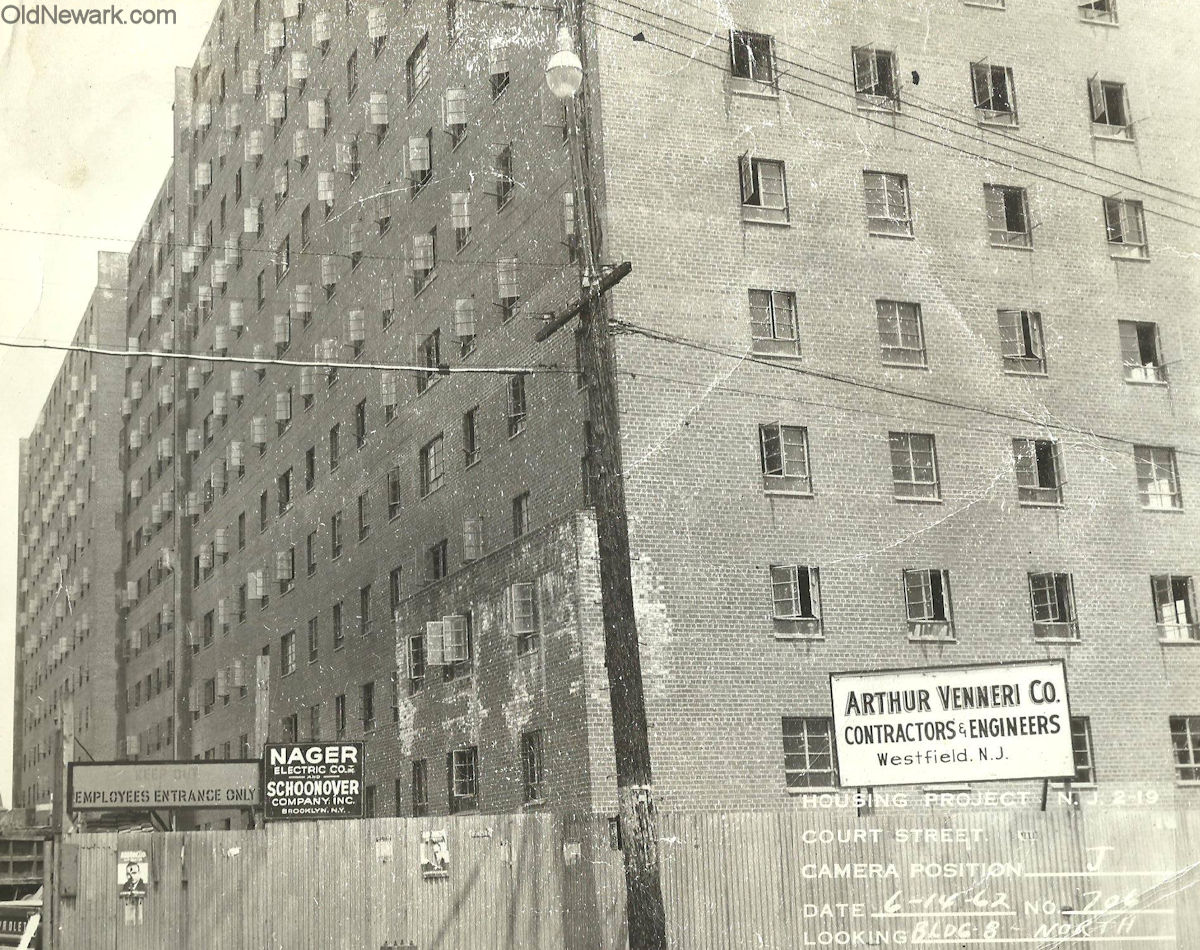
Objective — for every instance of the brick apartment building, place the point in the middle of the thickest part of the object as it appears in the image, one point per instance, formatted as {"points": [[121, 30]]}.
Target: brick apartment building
{"points": [[69, 487], [905, 364]]}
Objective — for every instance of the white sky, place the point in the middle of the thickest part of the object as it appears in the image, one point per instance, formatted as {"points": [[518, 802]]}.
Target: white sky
{"points": [[85, 141]]}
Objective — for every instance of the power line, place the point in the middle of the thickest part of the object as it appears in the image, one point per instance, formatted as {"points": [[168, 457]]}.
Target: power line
{"points": [[944, 112], [438, 370], [865, 117], [940, 401]]}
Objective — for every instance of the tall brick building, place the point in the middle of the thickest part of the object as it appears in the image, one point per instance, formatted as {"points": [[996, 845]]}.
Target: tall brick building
{"points": [[904, 362], [69, 486]]}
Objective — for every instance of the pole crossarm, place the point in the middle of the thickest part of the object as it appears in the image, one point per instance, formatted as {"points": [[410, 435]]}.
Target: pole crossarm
{"points": [[608, 280]]}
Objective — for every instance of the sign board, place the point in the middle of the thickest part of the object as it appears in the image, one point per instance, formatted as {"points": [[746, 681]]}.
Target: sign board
{"points": [[158, 786], [306, 781], [952, 724]]}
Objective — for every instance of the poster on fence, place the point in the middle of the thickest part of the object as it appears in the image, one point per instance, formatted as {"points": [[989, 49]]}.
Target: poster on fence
{"points": [[133, 874], [435, 854]]}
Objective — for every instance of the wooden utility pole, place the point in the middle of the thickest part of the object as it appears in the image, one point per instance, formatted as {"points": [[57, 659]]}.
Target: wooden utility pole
{"points": [[635, 793]]}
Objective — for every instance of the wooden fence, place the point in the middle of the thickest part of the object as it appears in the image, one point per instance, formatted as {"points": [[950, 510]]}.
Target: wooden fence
{"points": [[779, 881]]}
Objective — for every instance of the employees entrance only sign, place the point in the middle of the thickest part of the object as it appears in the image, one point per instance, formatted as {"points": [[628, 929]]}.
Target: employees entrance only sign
{"points": [[307, 781], [952, 724]]}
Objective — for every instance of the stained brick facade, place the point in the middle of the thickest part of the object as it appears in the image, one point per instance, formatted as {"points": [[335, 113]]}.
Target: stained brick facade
{"points": [[293, 227]]}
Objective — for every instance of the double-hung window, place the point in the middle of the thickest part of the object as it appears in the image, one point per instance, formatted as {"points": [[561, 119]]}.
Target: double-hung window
{"points": [[875, 82], [752, 58], [533, 767], [1052, 602], [773, 325], [1157, 477], [1185, 740], [463, 779], [1082, 751], [901, 335], [1022, 345], [1110, 111], [1039, 467], [888, 210], [927, 604], [1141, 353], [1175, 607], [796, 599], [1007, 216], [430, 466], [1098, 11], [783, 451], [1125, 228], [914, 465], [992, 89], [764, 190], [809, 756]]}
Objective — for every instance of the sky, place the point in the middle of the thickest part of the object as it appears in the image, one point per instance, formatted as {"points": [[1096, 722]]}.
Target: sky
{"points": [[85, 141]]}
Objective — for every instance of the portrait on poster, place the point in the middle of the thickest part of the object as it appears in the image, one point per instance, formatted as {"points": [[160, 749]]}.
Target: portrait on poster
{"points": [[435, 854]]}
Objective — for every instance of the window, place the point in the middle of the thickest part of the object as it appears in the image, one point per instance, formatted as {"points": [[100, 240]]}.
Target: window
{"points": [[471, 436], [764, 190], [498, 66], [1099, 11], [420, 789], [287, 653], [1141, 354], [773, 325], [305, 225], [395, 590], [351, 75], [1052, 599], [310, 468], [416, 69], [430, 470], [1110, 116], [393, 492], [927, 604], [339, 714], [310, 553], [888, 210], [875, 78], [753, 58], [335, 535], [364, 611], [1022, 347], [503, 171], [914, 465], [263, 503], [334, 446], [796, 598], [520, 514], [339, 631], [285, 570], [533, 768], [420, 162], [366, 706], [1007, 216], [314, 645], [1185, 739], [283, 259], [291, 730], [783, 451], [1175, 607], [524, 608], [1039, 469], [463, 779], [1081, 751], [992, 88], [283, 487], [1126, 228], [1157, 477], [901, 336], [242, 597], [517, 405], [261, 292], [809, 756], [472, 539], [430, 357], [360, 424], [364, 516], [416, 663], [436, 564]]}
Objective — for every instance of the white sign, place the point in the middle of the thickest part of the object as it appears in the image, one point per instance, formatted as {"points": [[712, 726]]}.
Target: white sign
{"points": [[952, 724]]}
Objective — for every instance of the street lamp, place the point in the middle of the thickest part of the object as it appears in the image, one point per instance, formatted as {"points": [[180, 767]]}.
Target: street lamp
{"points": [[631, 745]]}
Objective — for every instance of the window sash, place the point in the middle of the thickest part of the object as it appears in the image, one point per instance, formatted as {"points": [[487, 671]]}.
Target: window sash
{"points": [[753, 56], [809, 755], [887, 202], [1022, 346], [1124, 223], [914, 464], [783, 452], [1008, 218], [795, 592], [926, 596], [1157, 478], [1052, 599], [1175, 602], [901, 335], [773, 316], [1082, 750], [1185, 740]]}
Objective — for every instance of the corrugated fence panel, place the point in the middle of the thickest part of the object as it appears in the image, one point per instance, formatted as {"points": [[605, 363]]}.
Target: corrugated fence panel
{"points": [[772, 881]]}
